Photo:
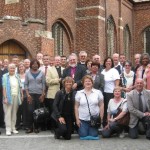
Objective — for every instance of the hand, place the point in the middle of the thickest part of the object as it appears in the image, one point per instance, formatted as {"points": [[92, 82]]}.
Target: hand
{"points": [[41, 98], [5, 101], [78, 122], [74, 86], [112, 120], [106, 127], [29, 99], [147, 114], [62, 120]]}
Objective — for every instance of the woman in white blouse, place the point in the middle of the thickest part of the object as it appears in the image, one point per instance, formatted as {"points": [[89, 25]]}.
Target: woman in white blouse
{"points": [[112, 79], [95, 100]]}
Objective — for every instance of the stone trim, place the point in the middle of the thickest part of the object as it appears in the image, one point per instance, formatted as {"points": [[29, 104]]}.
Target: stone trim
{"points": [[44, 34], [12, 18], [91, 7], [33, 20], [91, 17]]}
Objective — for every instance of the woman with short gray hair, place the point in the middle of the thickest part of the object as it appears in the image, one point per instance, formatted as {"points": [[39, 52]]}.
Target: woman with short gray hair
{"points": [[12, 95]]}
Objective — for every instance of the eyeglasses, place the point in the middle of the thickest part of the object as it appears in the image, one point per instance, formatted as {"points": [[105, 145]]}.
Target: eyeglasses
{"points": [[127, 65], [83, 56]]}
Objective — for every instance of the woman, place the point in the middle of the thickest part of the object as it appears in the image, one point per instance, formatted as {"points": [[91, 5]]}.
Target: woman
{"points": [[144, 70], [88, 66], [112, 79], [22, 111], [35, 90], [63, 110], [97, 77], [113, 126], [127, 78], [94, 98], [12, 95]]}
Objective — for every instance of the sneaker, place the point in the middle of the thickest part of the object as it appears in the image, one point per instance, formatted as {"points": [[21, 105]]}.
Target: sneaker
{"points": [[15, 132], [8, 133], [122, 135]]}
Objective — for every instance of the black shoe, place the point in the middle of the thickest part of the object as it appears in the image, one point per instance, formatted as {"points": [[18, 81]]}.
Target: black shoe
{"points": [[148, 138], [0, 133], [29, 130], [56, 136], [36, 131]]}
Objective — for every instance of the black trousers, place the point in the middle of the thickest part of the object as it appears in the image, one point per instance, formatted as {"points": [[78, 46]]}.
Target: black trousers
{"points": [[65, 130], [49, 104], [107, 97], [30, 109]]}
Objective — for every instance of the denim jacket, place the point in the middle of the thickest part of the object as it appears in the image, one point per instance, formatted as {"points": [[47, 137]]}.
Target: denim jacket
{"points": [[7, 86]]}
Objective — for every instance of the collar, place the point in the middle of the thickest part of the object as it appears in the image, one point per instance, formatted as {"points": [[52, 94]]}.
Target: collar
{"points": [[83, 91]]}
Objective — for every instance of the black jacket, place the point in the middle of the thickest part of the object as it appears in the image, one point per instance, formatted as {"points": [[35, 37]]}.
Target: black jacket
{"points": [[59, 103]]}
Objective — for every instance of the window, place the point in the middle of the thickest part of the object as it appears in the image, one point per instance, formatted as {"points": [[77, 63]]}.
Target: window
{"points": [[147, 40], [110, 36], [57, 34], [126, 41]]}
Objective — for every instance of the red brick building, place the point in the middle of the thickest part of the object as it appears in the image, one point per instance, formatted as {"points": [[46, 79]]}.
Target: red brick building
{"points": [[65, 26]]}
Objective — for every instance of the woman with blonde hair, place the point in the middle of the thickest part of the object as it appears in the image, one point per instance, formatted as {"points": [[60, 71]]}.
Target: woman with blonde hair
{"points": [[63, 110], [88, 102]]}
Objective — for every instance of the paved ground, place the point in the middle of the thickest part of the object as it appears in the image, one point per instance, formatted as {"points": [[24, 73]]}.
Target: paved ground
{"points": [[45, 141]]}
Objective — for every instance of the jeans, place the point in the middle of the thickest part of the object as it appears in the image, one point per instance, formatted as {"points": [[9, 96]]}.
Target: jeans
{"points": [[86, 130]]}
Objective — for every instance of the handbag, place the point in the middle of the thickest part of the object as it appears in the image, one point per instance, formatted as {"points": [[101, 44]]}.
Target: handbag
{"points": [[125, 119], [41, 114], [95, 121]]}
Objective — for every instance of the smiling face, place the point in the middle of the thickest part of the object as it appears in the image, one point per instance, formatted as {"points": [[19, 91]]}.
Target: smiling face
{"points": [[11, 69], [88, 83], [21, 68], [108, 63], [117, 93], [139, 84], [145, 60]]}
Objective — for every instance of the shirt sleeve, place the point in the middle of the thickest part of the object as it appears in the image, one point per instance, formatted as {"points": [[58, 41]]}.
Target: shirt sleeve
{"points": [[124, 106], [115, 74], [77, 96], [100, 96]]}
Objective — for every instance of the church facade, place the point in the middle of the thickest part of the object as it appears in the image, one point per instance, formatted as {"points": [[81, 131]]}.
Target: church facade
{"points": [[59, 27]]}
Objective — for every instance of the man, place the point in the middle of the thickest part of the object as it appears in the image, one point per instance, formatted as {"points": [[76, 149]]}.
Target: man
{"points": [[137, 65], [82, 58], [59, 68], [138, 101], [117, 64], [39, 57], [15, 60], [5, 66], [46, 65], [64, 61], [122, 59], [75, 71], [52, 61], [97, 59], [27, 65]]}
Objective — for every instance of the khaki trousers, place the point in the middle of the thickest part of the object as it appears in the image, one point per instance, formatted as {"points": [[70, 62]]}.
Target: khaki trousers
{"points": [[10, 111]]}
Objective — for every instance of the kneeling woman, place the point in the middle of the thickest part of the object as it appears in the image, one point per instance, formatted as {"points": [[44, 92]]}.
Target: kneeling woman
{"points": [[63, 110], [113, 127], [93, 98]]}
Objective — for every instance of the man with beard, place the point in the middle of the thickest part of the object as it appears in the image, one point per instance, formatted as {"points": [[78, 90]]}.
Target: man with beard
{"points": [[76, 71]]}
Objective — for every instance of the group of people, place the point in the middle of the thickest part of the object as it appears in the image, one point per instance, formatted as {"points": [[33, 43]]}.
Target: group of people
{"points": [[74, 89]]}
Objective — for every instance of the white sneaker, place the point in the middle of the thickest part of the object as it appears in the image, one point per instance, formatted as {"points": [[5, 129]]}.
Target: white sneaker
{"points": [[8, 133], [15, 132]]}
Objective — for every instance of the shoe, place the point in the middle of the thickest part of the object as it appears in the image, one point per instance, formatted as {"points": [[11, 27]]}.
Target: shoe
{"points": [[56, 136], [122, 135], [36, 131], [15, 132], [29, 130], [8, 133]]}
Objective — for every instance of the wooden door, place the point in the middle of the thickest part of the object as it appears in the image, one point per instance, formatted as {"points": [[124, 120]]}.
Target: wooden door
{"points": [[10, 48]]}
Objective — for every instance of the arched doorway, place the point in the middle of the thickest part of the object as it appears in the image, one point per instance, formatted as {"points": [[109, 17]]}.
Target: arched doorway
{"points": [[11, 48]]}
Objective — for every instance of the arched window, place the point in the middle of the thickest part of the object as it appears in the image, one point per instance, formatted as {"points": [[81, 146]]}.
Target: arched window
{"points": [[126, 41], [111, 37], [63, 40], [147, 40]]}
